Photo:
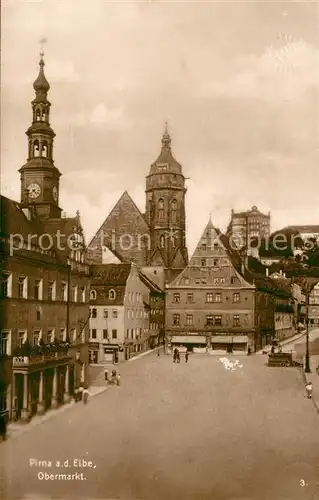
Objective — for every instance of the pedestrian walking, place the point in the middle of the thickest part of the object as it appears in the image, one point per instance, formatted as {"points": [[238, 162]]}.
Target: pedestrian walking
{"points": [[76, 394], [317, 370], [186, 357], [106, 375], [178, 357], [3, 428], [85, 396], [118, 379], [80, 393], [309, 390], [158, 351], [114, 377]]}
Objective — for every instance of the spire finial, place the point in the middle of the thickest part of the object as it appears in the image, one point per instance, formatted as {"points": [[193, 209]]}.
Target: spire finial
{"points": [[166, 139], [210, 217], [41, 84]]}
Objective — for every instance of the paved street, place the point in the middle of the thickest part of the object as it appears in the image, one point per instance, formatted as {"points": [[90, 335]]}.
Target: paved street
{"points": [[178, 431]]}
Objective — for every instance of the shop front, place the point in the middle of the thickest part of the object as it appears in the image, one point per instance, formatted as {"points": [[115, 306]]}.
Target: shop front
{"points": [[193, 343], [229, 343]]}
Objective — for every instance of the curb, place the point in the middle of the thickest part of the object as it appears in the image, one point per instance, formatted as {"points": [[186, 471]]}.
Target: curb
{"points": [[28, 426], [140, 355], [304, 375]]}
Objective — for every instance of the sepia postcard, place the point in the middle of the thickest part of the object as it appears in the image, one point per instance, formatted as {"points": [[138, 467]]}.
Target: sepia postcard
{"points": [[159, 250]]}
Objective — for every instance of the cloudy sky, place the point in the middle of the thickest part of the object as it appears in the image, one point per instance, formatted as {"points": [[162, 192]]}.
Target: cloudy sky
{"points": [[237, 82]]}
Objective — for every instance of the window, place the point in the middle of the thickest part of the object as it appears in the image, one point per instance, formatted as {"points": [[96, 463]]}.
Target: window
{"points": [[74, 293], [82, 293], [6, 285], [203, 262], [161, 208], [217, 320], [189, 319], [233, 280], [197, 281], [22, 336], [93, 333], [133, 314], [92, 295], [62, 333], [218, 297], [176, 319], [112, 294], [174, 207], [215, 262], [204, 281], [73, 335], [114, 334], [216, 246], [186, 281], [63, 291], [23, 287], [209, 297], [176, 298], [162, 241], [114, 313], [5, 340], [222, 281], [105, 334], [94, 313], [38, 315], [105, 313], [38, 287], [236, 297], [132, 333], [209, 319], [51, 290], [236, 321], [36, 337], [190, 297], [50, 336]]}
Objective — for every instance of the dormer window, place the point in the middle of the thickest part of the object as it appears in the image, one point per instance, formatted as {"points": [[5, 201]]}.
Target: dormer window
{"points": [[112, 294], [92, 295]]}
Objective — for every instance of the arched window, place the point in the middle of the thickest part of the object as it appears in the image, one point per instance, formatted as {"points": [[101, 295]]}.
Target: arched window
{"points": [[174, 207], [112, 294], [45, 149], [92, 295], [43, 115], [37, 115], [161, 208], [162, 241], [36, 148]]}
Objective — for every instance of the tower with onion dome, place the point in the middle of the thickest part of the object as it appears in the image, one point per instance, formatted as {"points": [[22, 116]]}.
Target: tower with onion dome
{"points": [[39, 175]]}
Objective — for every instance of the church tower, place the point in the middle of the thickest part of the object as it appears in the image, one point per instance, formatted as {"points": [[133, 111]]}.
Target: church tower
{"points": [[39, 176], [165, 210]]}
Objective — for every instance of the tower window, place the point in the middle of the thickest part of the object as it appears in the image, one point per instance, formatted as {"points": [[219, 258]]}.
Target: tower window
{"points": [[162, 241], [36, 148], [161, 208], [37, 115], [174, 207], [45, 149]]}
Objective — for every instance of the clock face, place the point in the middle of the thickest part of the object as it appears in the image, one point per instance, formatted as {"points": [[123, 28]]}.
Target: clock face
{"points": [[34, 190], [55, 193]]}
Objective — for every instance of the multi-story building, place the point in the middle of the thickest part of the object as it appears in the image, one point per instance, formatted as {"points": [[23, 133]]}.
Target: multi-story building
{"points": [[155, 239], [217, 303], [210, 304], [126, 312], [313, 310], [244, 227], [44, 283]]}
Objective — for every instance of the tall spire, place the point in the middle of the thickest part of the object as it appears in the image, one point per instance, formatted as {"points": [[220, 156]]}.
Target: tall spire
{"points": [[41, 84]]}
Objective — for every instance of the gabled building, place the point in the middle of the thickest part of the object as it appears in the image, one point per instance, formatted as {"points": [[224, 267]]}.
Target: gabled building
{"points": [[210, 305], [156, 239], [126, 312], [44, 305]]}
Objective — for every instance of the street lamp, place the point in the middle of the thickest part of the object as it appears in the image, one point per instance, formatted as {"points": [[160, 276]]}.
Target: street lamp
{"points": [[307, 358]]}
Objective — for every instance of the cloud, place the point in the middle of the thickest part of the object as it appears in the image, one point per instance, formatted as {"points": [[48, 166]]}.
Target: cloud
{"points": [[115, 117], [285, 72]]}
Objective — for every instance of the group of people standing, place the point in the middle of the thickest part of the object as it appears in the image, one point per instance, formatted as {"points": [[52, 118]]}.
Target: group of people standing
{"points": [[177, 357]]}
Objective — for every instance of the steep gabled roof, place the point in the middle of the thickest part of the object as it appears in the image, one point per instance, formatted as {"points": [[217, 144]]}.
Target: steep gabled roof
{"points": [[124, 232], [149, 283]]}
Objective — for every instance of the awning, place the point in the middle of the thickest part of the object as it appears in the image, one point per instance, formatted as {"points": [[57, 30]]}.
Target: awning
{"points": [[188, 339], [222, 339], [229, 339], [240, 339]]}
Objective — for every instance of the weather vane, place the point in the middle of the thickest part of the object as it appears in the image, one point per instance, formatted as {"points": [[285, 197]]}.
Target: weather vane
{"points": [[42, 42]]}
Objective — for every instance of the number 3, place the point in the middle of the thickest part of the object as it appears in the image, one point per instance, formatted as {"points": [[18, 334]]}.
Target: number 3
{"points": [[302, 482]]}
